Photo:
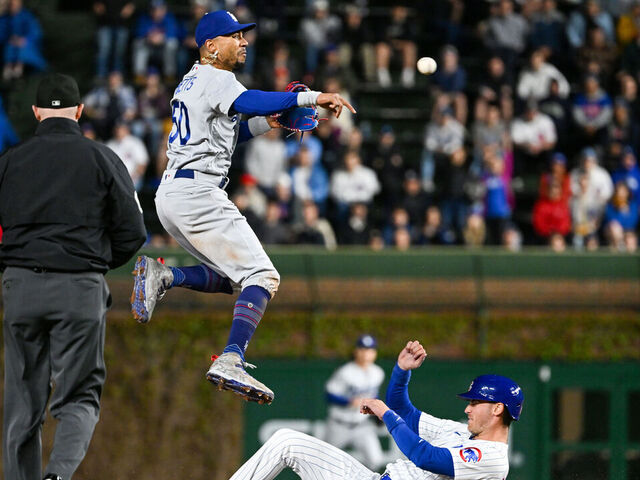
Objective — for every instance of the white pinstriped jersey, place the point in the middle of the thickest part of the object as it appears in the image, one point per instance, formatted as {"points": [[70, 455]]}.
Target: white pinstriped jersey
{"points": [[351, 381], [203, 136], [472, 459]]}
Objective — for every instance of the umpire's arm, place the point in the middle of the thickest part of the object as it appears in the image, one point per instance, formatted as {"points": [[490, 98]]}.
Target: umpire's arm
{"points": [[125, 225]]}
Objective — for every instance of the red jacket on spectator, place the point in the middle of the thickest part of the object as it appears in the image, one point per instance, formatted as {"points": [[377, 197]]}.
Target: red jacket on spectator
{"points": [[551, 213]]}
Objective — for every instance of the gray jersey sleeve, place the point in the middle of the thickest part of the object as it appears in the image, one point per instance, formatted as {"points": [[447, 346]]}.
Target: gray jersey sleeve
{"points": [[223, 91]]}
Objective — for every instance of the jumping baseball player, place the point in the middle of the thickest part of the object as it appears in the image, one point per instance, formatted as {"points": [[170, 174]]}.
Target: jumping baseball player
{"points": [[192, 203], [435, 448], [347, 387]]}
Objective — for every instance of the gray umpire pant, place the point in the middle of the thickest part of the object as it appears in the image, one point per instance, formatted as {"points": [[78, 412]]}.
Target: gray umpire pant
{"points": [[54, 326]]}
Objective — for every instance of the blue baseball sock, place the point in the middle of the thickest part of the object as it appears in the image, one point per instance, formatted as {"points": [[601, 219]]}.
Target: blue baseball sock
{"points": [[200, 278], [247, 313]]}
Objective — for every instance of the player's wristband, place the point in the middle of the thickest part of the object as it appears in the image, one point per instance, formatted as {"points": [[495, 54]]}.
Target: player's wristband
{"points": [[258, 126], [308, 99]]}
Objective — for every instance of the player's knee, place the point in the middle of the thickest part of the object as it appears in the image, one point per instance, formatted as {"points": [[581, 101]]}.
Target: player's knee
{"points": [[270, 281]]}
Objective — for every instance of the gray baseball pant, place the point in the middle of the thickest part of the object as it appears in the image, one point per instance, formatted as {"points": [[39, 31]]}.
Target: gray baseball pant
{"points": [[308, 457], [54, 327]]}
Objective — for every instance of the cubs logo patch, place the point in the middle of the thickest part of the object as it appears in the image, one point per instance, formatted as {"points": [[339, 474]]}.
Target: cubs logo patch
{"points": [[470, 454]]}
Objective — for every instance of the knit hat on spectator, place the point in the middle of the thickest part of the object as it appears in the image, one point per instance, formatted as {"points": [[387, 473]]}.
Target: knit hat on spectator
{"points": [[57, 91], [559, 157]]}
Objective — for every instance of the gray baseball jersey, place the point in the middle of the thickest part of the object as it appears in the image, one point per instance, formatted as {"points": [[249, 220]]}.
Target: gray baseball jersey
{"points": [[204, 136]]}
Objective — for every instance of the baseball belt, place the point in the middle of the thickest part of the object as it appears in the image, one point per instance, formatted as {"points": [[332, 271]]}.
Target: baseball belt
{"points": [[188, 173]]}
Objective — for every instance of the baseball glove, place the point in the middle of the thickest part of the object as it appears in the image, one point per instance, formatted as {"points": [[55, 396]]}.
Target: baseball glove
{"points": [[298, 119]]}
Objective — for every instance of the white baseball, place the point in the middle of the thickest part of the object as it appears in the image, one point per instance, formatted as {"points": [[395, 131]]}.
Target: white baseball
{"points": [[427, 65]]}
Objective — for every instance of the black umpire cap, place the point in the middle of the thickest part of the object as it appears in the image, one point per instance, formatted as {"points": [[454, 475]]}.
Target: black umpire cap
{"points": [[57, 91]]}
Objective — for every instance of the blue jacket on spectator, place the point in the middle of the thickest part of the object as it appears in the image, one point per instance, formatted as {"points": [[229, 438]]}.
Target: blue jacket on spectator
{"points": [[496, 201], [628, 220], [631, 178], [23, 24], [168, 25]]}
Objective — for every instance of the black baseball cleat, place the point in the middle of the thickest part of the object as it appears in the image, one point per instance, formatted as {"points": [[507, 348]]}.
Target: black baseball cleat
{"points": [[52, 476]]}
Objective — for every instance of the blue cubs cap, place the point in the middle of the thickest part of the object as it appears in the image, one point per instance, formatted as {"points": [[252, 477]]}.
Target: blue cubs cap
{"points": [[218, 23], [366, 341], [496, 388], [559, 157]]}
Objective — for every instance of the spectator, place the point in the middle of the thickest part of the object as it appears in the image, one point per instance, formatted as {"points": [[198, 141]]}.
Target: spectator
{"points": [[433, 231], [414, 199], [454, 203], [276, 71], [353, 184], [105, 104], [313, 229], [505, 32], [284, 198], [399, 33], [317, 32], [557, 243], [156, 41], [599, 185], [580, 21], [357, 229], [488, 129], [559, 109], [402, 239], [497, 210], [309, 181], [356, 44], [334, 71], [343, 124], [512, 238], [622, 130], [8, 136], [266, 159], [598, 56], [496, 84], [629, 173], [534, 136], [131, 151], [241, 200], [112, 36], [551, 213], [629, 94], [586, 213], [446, 17], [630, 60], [274, 230], [332, 137], [475, 230], [451, 79], [23, 35], [621, 216], [389, 164], [592, 112], [153, 111], [257, 201], [444, 136], [628, 28], [557, 174], [535, 81], [547, 31], [399, 220]]}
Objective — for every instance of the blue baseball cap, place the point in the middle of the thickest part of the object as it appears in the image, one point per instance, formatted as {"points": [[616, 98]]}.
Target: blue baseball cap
{"points": [[367, 341], [218, 23]]}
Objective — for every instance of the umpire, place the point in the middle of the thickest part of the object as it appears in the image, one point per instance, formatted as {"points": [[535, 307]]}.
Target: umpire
{"points": [[69, 214]]}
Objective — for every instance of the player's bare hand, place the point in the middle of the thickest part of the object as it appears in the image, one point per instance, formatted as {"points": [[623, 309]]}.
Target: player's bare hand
{"points": [[273, 123], [373, 406], [334, 103], [412, 355]]}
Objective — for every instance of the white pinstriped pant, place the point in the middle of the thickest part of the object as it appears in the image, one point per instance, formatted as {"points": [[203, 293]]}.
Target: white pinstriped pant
{"points": [[310, 458]]}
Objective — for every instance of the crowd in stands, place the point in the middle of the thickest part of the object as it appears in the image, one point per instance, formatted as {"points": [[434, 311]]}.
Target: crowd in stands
{"points": [[527, 92]]}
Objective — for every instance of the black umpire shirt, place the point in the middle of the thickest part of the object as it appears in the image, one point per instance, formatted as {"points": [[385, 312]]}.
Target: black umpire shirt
{"points": [[67, 203]]}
